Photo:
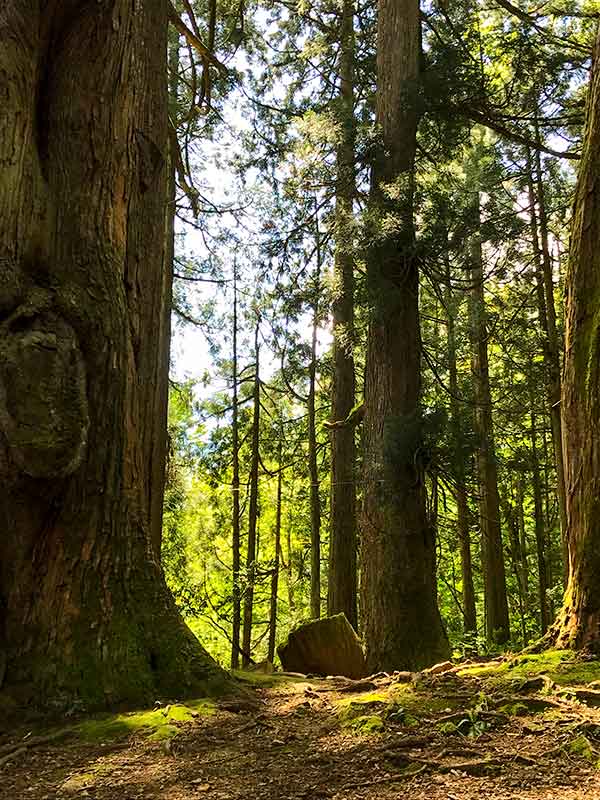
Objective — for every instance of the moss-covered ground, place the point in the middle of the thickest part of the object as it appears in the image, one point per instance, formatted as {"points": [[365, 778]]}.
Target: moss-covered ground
{"points": [[562, 667], [159, 723], [512, 728]]}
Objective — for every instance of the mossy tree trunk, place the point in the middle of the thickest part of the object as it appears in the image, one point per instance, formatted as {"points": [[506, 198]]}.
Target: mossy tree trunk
{"points": [[84, 302], [402, 624], [579, 621]]}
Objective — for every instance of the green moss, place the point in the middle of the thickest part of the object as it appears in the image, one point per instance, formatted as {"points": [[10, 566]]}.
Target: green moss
{"points": [[421, 701], [118, 726], [414, 702], [352, 710], [366, 723], [79, 782], [373, 697], [514, 709], [447, 728], [164, 732], [179, 713], [203, 706], [561, 667], [581, 747], [483, 670]]}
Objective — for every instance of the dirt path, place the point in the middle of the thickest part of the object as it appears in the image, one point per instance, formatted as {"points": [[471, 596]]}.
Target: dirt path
{"points": [[293, 746]]}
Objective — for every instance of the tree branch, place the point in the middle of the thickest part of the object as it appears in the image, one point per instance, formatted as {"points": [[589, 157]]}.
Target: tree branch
{"points": [[193, 40]]}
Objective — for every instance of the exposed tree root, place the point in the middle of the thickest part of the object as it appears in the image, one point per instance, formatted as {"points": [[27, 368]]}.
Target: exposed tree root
{"points": [[14, 750]]}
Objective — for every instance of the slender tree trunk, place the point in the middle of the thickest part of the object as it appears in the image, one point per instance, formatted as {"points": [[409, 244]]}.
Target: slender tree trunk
{"points": [[462, 507], [538, 512], [548, 518], [496, 605], [402, 624], [579, 620], [313, 469], [275, 573], [235, 490], [289, 575], [342, 585], [252, 510], [511, 513], [523, 549], [551, 348], [84, 302]]}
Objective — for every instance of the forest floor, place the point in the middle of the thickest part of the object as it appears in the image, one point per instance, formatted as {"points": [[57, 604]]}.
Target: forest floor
{"points": [[523, 728]]}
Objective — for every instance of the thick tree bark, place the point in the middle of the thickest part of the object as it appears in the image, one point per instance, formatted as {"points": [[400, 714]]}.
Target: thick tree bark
{"points": [[84, 296], [342, 585], [579, 621], [171, 213], [461, 495], [496, 605], [235, 489], [251, 552], [402, 624]]}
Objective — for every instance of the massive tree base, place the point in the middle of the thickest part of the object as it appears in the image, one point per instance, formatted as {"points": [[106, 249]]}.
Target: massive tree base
{"points": [[85, 299], [137, 652], [578, 623]]}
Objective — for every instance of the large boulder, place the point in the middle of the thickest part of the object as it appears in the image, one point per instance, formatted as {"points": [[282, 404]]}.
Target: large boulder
{"points": [[326, 646]]}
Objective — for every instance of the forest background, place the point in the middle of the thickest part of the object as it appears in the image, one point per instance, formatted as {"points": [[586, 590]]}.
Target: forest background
{"points": [[265, 317]]}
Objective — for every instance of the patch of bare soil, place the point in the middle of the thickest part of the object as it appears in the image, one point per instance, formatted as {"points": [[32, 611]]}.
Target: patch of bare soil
{"points": [[294, 746]]}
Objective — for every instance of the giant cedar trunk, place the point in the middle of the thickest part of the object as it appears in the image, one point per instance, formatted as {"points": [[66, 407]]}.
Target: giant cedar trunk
{"points": [[402, 624], [342, 582], [84, 299], [579, 621]]}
